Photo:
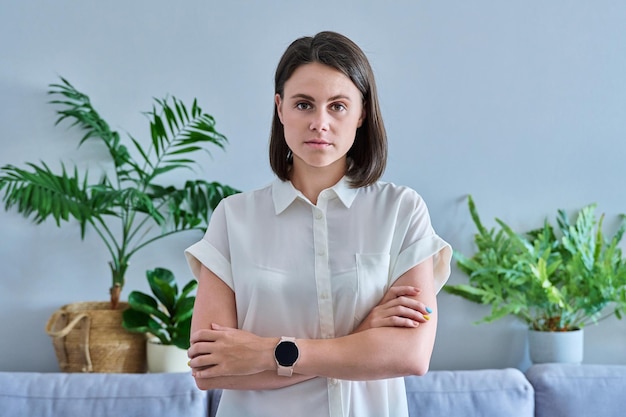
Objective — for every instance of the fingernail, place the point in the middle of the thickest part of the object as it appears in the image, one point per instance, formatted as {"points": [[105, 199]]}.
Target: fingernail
{"points": [[426, 316], [189, 364], [429, 310]]}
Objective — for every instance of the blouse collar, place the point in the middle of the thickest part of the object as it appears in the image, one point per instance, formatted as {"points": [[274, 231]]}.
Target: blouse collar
{"points": [[284, 193]]}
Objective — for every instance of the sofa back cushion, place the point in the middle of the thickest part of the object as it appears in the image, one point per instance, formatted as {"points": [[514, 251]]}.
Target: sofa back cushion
{"points": [[579, 390], [477, 393], [100, 395]]}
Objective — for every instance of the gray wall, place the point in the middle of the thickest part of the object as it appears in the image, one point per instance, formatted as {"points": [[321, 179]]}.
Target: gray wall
{"points": [[520, 103]]}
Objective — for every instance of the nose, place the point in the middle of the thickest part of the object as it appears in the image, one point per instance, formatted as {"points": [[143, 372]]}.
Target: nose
{"points": [[320, 121]]}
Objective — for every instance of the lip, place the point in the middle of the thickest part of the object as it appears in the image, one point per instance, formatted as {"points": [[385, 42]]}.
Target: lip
{"points": [[317, 142]]}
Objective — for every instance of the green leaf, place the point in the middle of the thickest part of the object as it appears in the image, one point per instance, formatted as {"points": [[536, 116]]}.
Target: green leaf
{"points": [[184, 309], [133, 319], [146, 304], [466, 291], [189, 287], [182, 335], [163, 285]]}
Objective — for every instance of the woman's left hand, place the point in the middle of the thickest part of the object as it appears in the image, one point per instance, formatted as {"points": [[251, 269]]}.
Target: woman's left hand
{"points": [[398, 308], [224, 351]]}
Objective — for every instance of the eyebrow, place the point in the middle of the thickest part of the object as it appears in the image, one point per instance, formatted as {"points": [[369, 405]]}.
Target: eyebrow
{"points": [[333, 98]]}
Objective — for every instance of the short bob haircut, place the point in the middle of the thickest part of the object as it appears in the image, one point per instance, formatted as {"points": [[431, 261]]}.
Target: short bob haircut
{"points": [[368, 155]]}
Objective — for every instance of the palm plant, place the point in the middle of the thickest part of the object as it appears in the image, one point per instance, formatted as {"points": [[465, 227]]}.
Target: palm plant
{"points": [[127, 207]]}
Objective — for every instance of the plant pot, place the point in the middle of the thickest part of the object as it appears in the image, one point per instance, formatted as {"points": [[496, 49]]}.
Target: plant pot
{"points": [[560, 347], [165, 358], [89, 337]]}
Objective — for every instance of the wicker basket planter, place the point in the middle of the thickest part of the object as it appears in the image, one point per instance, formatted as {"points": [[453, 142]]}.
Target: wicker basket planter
{"points": [[88, 337]]}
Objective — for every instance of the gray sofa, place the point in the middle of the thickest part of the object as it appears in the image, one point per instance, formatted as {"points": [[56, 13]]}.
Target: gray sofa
{"points": [[548, 390]]}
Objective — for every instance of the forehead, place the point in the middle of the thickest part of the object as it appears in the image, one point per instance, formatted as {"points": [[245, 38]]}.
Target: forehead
{"points": [[317, 79]]}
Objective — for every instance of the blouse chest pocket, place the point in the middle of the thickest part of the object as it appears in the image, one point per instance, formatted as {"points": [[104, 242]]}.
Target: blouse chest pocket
{"points": [[372, 282]]}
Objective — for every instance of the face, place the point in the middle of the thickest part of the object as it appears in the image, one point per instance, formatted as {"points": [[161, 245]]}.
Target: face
{"points": [[320, 110]]}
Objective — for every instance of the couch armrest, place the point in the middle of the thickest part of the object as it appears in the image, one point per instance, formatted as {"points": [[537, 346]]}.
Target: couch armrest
{"points": [[578, 390], [100, 395], [476, 393]]}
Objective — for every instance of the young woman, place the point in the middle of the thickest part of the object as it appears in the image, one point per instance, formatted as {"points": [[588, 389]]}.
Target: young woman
{"points": [[317, 293]]}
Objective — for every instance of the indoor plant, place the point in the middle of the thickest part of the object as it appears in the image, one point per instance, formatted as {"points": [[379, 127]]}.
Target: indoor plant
{"points": [[553, 280], [129, 206], [166, 315]]}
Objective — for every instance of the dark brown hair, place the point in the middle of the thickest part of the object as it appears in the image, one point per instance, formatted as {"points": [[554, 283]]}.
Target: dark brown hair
{"points": [[368, 155]]}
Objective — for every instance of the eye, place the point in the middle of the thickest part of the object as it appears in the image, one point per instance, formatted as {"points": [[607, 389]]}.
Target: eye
{"points": [[303, 106], [339, 107]]}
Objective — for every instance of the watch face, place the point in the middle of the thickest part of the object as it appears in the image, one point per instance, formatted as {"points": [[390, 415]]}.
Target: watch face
{"points": [[286, 353]]}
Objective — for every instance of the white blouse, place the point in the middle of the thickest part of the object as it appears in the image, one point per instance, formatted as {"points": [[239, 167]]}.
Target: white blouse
{"points": [[315, 271]]}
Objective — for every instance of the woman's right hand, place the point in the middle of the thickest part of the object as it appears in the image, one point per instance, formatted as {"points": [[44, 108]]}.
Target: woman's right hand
{"points": [[398, 308]]}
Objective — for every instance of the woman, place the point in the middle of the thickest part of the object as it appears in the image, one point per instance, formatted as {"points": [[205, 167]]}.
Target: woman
{"points": [[317, 293]]}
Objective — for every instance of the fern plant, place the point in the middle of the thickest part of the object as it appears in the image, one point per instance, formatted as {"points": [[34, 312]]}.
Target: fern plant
{"points": [[129, 206], [553, 280]]}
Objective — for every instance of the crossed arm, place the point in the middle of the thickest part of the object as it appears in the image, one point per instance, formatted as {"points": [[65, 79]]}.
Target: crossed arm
{"points": [[399, 333]]}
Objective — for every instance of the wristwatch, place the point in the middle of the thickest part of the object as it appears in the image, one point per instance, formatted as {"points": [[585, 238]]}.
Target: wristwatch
{"points": [[286, 354]]}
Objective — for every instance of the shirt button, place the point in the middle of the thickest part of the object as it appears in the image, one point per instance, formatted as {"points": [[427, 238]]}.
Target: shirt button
{"points": [[321, 252], [334, 381], [318, 215]]}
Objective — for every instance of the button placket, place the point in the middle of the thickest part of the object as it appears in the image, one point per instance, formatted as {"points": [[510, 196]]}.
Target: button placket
{"points": [[324, 293], [322, 271]]}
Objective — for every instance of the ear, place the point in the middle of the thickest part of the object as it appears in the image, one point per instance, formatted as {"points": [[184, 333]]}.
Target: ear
{"points": [[279, 107], [362, 118]]}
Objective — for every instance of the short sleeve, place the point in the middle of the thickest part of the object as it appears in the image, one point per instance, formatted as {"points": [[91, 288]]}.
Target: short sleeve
{"points": [[212, 251], [421, 242], [421, 250]]}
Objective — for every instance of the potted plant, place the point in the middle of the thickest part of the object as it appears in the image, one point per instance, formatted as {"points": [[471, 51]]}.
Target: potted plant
{"points": [[555, 281], [166, 315], [129, 206]]}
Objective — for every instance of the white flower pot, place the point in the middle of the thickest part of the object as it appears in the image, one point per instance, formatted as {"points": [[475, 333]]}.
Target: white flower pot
{"points": [[165, 358], [561, 347]]}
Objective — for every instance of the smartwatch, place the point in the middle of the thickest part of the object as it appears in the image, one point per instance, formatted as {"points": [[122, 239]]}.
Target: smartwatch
{"points": [[286, 354]]}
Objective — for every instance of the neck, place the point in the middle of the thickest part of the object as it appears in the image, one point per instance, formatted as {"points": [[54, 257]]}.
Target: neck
{"points": [[311, 181]]}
